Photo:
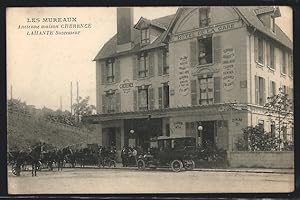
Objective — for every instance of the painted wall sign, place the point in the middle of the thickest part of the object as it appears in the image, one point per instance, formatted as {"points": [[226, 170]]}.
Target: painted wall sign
{"points": [[184, 76], [126, 85], [228, 62], [210, 30], [264, 10], [178, 125]]}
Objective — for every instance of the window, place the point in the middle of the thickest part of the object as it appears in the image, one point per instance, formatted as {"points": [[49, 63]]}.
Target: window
{"points": [[261, 125], [143, 99], [273, 129], [145, 36], [284, 89], [283, 62], [272, 24], [284, 132], [143, 65], [204, 19], [205, 51], [166, 96], [110, 68], [272, 88], [290, 65], [166, 62], [260, 90], [206, 91], [260, 51], [272, 57], [168, 130]]}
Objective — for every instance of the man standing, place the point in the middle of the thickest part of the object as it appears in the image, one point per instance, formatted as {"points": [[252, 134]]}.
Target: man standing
{"points": [[124, 156]]}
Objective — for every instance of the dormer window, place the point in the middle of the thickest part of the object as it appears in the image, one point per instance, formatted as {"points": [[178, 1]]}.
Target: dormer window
{"points": [[110, 69], [145, 36], [204, 19], [272, 24]]}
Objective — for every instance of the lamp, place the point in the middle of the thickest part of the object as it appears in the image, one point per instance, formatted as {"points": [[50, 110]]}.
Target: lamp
{"points": [[200, 128], [131, 131]]}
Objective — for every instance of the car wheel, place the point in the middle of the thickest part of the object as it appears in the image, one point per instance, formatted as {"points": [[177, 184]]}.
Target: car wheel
{"points": [[189, 164], [112, 163], [176, 165], [141, 164]]}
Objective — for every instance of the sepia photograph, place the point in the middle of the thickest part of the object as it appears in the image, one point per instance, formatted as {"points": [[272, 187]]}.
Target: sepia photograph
{"points": [[138, 100]]}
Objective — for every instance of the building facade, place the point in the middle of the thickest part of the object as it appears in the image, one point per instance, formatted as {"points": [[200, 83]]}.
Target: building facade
{"points": [[204, 72]]}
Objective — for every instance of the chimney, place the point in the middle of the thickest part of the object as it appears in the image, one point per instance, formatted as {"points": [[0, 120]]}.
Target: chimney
{"points": [[124, 29]]}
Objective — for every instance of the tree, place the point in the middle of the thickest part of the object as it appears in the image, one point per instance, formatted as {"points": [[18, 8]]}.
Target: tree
{"points": [[280, 111], [82, 108]]}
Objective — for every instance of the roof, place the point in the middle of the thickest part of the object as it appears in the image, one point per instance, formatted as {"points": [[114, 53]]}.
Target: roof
{"points": [[247, 13], [110, 48]]}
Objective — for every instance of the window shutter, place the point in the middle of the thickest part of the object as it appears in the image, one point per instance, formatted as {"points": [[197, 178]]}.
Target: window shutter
{"points": [[275, 63], [217, 49], [264, 91], [160, 62], [255, 48], [268, 53], [193, 92], [135, 103], [217, 92], [151, 98], [256, 90], [104, 103], [118, 102], [151, 64], [193, 53], [160, 94], [134, 67], [103, 73], [117, 71]]}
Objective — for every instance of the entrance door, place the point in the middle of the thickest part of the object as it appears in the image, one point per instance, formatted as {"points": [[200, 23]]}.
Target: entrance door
{"points": [[208, 134]]}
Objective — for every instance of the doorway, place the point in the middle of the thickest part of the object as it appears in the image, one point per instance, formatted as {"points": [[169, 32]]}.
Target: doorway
{"points": [[208, 134]]}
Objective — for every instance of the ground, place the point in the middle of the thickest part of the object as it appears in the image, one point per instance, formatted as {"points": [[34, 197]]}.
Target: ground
{"points": [[72, 181]]}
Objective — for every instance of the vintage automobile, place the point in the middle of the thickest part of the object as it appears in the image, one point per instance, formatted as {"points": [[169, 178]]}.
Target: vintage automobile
{"points": [[177, 153]]}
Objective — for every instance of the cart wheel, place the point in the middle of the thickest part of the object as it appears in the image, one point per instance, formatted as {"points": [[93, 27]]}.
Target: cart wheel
{"points": [[176, 165], [189, 164], [112, 163], [15, 171], [141, 164]]}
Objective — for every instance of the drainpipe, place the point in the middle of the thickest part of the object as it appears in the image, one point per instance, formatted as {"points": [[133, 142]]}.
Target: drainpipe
{"points": [[250, 57]]}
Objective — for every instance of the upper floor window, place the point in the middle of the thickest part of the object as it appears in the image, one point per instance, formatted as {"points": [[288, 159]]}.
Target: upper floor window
{"points": [[204, 19], [272, 56], [290, 65], [272, 24], [143, 65], [145, 36], [260, 91], [206, 90], [283, 62], [143, 99], [166, 96], [166, 62], [110, 69], [260, 51], [111, 106], [272, 88], [205, 51]]}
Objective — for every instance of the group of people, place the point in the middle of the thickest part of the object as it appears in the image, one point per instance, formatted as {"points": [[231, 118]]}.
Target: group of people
{"points": [[129, 155]]}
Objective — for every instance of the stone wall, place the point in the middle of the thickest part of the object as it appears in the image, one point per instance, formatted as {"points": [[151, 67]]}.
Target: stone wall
{"points": [[264, 159]]}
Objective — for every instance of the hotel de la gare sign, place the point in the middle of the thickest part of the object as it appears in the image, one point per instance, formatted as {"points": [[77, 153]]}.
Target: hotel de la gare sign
{"points": [[206, 31]]}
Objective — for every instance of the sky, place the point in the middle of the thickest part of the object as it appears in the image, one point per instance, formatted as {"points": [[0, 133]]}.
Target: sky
{"points": [[40, 68]]}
